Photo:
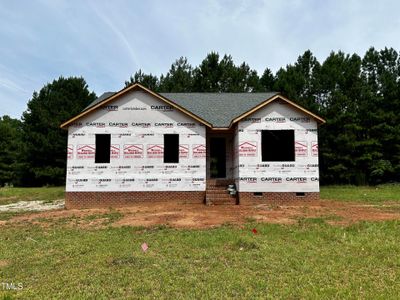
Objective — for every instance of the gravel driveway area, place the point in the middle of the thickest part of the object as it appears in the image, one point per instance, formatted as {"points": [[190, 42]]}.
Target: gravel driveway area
{"points": [[32, 206]]}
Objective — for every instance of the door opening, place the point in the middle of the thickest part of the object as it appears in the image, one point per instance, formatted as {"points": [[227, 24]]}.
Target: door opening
{"points": [[217, 158]]}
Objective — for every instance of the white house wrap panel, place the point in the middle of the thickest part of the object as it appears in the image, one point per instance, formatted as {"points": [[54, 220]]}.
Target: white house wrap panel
{"points": [[255, 175], [137, 123]]}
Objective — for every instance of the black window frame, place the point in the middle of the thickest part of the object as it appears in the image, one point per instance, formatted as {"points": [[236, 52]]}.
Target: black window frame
{"points": [[171, 148], [278, 145], [103, 148]]}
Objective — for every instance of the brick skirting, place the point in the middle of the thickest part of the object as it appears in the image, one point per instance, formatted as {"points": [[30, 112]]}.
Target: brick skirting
{"points": [[248, 198], [114, 199]]}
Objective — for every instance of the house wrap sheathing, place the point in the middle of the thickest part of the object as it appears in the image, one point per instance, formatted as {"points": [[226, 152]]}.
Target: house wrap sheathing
{"points": [[220, 144]]}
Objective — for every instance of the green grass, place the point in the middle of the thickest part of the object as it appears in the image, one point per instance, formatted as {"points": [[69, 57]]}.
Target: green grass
{"points": [[15, 194], [308, 260], [376, 194]]}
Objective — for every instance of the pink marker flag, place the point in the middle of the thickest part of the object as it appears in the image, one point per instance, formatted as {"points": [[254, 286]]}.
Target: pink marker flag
{"points": [[254, 231], [144, 247]]}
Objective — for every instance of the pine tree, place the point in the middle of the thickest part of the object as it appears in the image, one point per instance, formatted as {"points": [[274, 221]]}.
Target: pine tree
{"points": [[44, 153], [380, 110], [267, 81], [10, 147], [147, 80], [299, 82], [207, 75], [179, 77]]}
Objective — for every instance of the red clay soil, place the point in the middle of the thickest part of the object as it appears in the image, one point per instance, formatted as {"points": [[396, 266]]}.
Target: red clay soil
{"points": [[202, 216]]}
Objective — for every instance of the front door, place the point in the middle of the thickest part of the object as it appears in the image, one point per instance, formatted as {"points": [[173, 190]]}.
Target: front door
{"points": [[217, 157]]}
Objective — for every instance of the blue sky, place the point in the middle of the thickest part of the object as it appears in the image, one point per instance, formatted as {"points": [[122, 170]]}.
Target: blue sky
{"points": [[107, 41]]}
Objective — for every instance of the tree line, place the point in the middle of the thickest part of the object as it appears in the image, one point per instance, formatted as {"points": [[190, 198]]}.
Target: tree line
{"points": [[359, 97]]}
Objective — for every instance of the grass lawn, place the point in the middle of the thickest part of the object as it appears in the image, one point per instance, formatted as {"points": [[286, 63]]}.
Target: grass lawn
{"points": [[308, 260], [376, 194], [15, 194]]}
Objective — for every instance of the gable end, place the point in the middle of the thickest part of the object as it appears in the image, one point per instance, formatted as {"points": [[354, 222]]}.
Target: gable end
{"points": [[275, 98], [122, 92]]}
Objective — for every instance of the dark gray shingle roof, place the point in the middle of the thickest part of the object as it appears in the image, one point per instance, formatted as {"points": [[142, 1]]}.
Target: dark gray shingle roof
{"points": [[218, 109], [104, 96]]}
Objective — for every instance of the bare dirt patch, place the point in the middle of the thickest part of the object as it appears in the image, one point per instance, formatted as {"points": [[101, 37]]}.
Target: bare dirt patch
{"points": [[4, 263], [201, 216]]}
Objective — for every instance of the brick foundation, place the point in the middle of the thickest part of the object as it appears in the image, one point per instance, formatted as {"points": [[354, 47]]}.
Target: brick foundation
{"points": [[248, 198], [114, 199]]}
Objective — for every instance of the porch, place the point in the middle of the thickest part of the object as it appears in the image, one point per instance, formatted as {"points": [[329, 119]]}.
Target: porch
{"points": [[220, 168]]}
